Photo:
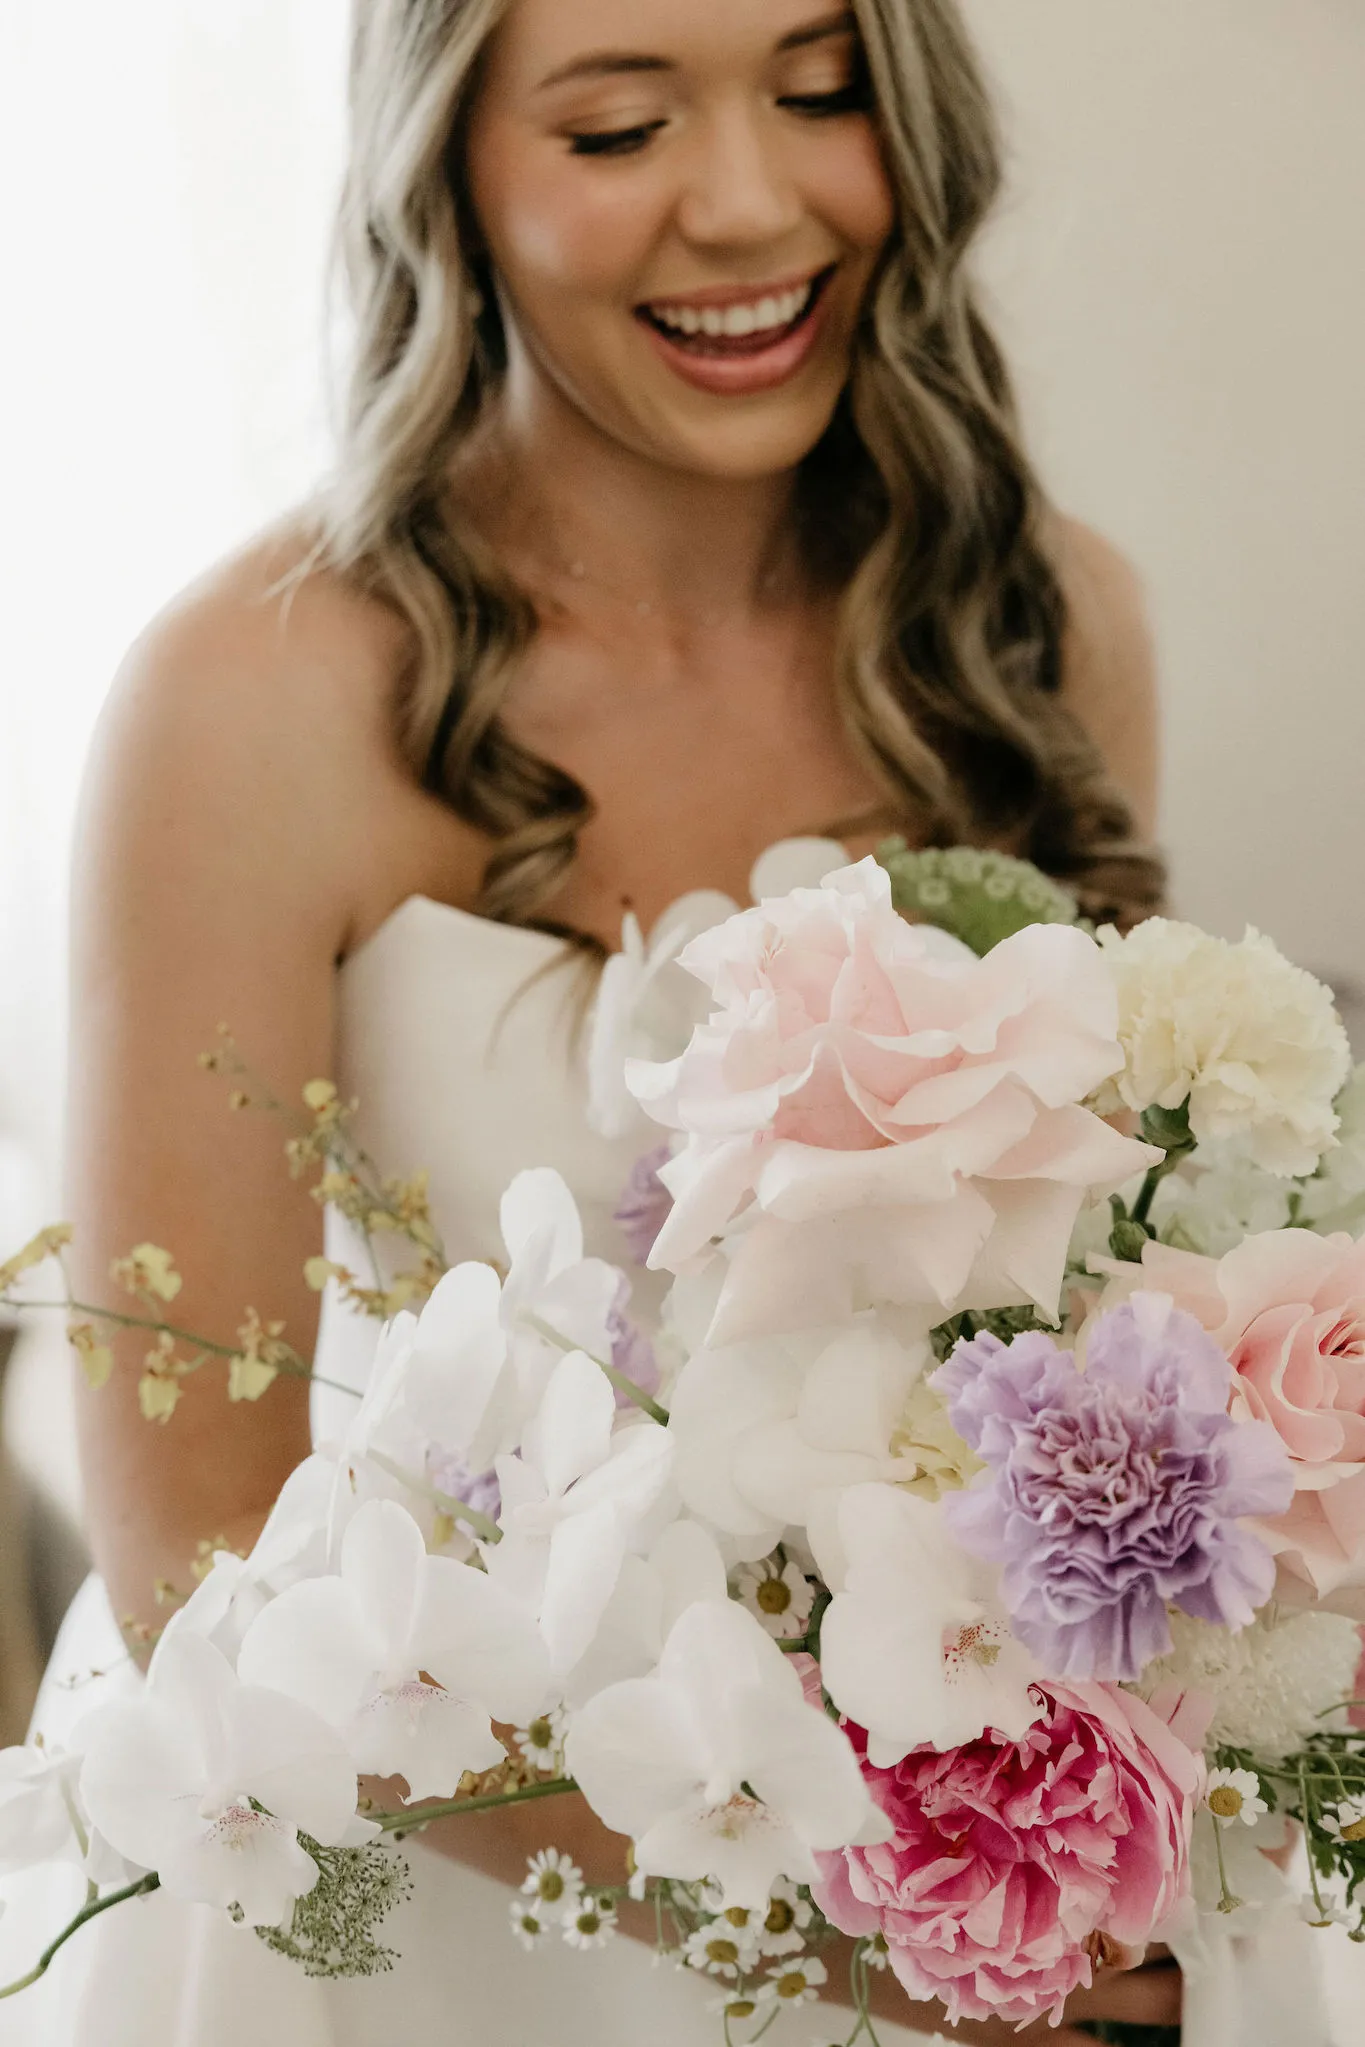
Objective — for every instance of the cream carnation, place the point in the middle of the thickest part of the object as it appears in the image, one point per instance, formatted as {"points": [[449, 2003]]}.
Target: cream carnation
{"points": [[1270, 1684], [1253, 1042]]}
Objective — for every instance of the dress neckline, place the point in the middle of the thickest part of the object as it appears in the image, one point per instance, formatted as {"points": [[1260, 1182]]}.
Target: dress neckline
{"points": [[546, 942]]}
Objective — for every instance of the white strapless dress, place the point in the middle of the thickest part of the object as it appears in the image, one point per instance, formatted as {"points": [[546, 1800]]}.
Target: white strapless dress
{"points": [[458, 1037]]}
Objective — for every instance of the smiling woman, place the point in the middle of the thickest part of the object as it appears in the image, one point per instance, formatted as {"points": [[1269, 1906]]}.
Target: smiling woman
{"points": [[680, 509], [740, 146]]}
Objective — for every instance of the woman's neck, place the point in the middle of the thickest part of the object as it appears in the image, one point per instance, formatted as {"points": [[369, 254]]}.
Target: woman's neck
{"points": [[569, 501]]}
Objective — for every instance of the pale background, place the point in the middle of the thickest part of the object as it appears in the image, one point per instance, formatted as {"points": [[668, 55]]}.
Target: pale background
{"points": [[1178, 271]]}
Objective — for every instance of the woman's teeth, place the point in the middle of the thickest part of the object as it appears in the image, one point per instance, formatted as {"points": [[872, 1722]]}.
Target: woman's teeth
{"points": [[741, 322]]}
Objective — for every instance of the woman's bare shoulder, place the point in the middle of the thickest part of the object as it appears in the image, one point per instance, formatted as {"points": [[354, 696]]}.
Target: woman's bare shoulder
{"points": [[255, 716], [1109, 673]]}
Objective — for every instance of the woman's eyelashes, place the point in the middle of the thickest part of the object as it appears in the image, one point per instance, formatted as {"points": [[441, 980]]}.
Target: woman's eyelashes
{"points": [[853, 97], [614, 141]]}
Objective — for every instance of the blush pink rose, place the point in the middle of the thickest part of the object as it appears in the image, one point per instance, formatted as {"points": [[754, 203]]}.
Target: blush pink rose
{"points": [[886, 1117], [1288, 1307], [1008, 1856]]}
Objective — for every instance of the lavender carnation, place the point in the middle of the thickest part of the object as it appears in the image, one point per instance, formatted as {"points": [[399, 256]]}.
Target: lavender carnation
{"points": [[1112, 1491], [645, 1203]]}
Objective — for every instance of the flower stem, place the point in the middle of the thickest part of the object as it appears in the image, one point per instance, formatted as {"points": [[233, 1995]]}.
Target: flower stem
{"points": [[293, 1368], [408, 1822], [141, 1889], [645, 1401], [458, 1510]]}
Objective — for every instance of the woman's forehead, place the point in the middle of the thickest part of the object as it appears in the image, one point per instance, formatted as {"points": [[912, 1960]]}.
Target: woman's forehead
{"points": [[547, 42]]}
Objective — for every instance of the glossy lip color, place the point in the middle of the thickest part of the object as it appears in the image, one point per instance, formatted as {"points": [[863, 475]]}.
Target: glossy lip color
{"points": [[738, 374]]}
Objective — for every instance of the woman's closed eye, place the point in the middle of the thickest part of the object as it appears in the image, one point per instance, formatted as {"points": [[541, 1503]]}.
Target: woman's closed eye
{"points": [[614, 141], [852, 98]]}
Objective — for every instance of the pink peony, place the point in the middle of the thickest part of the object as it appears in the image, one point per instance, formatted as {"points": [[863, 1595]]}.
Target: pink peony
{"points": [[1288, 1307], [887, 1117], [1008, 1856]]}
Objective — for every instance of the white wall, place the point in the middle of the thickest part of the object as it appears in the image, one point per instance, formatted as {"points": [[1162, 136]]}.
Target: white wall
{"points": [[1181, 274]]}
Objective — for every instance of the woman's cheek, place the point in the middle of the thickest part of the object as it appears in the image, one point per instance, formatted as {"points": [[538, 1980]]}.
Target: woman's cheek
{"points": [[594, 244]]}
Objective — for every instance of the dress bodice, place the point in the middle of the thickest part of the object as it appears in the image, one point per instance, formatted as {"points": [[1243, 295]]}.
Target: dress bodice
{"points": [[464, 1043]]}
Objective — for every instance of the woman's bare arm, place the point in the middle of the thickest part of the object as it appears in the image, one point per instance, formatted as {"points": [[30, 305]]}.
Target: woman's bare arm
{"points": [[223, 812]]}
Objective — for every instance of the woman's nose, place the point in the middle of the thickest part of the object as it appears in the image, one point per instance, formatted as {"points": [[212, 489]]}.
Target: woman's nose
{"points": [[739, 190]]}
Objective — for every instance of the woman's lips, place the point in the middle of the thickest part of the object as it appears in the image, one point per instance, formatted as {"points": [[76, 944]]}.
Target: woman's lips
{"points": [[735, 364]]}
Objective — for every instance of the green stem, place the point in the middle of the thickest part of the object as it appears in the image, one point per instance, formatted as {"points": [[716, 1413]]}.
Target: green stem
{"points": [[408, 1822], [644, 1401], [1308, 1820], [1142, 1207], [141, 1889], [293, 1368], [487, 1530]]}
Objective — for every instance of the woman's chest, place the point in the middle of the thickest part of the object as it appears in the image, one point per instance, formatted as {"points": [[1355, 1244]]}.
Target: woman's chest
{"points": [[694, 760]]}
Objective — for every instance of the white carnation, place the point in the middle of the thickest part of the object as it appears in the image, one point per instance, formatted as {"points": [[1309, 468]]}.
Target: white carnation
{"points": [[1253, 1042], [1211, 1208], [1335, 1198], [1271, 1683]]}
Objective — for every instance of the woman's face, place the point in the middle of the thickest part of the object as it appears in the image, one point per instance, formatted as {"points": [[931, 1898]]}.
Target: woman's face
{"points": [[684, 201]]}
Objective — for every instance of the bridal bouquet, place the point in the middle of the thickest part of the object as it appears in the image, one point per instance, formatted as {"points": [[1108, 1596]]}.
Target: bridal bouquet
{"points": [[970, 1562]]}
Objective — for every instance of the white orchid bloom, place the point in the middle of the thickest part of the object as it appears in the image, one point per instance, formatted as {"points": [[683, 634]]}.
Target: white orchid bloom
{"points": [[293, 1545], [410, 1657], [717, 1767], [209, 1781], [652, 1593], [769, 1433], [481, 1355], [646, 1006], [915, 1647], [39, 1813], [583, 1492]]}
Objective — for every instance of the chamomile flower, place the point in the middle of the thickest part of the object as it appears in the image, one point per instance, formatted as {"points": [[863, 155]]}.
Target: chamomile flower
{"points": [[735, 2007], [1324, 1910], [782, 1928], [589, 1923], [553, 1880], [527, 1925], [876, 1953], [1235, 1795], [778, 1594], [1345, 1821], [793, 1983], [542, 1740], [721, 1949]]}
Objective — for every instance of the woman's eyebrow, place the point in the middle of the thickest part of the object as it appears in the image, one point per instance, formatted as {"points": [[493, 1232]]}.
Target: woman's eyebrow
{"points": [[604, 64], [841, 23], [623, 63]]}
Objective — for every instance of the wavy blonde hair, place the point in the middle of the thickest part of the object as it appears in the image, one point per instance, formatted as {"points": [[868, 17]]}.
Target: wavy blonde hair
{"points": [[953, 616]]}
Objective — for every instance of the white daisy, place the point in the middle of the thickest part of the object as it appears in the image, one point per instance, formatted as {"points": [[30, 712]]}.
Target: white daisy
{"points": [[541, 1741], [782, 1928], [527, 1925], [720, 1949], [553, 1880], [732, 2006], [1235, 1795], [876, 1953], [793, 1983], [1324, 1910], [1345, 1821], [589, 1923], [778, 1594]]}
